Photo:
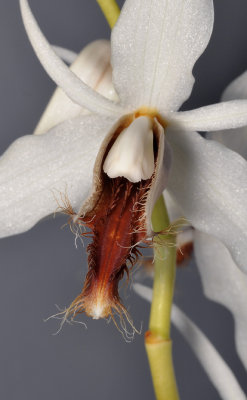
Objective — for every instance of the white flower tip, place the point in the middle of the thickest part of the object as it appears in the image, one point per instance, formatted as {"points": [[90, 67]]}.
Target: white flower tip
{"points": [[132, 153], [97, 312]]}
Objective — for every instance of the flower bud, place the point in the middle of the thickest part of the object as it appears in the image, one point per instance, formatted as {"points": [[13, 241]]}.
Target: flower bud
{"points": [[93, 67]]}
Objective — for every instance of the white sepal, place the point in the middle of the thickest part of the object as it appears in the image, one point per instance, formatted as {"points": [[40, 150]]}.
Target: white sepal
{"points": [[209, 182], [155, 45], [225, 115], [225, 283], [234, 139], [131, 155], [36, 172]]}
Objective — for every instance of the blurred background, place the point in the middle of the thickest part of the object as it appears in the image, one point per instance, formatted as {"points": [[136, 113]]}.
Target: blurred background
{"points": [[42, 267]]}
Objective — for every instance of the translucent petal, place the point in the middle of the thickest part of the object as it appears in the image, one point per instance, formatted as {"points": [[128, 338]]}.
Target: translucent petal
{"points": [[66, 55], [225, 283], [209, 182], [77, 90], [214, 365], [93, 67], [234, 139], [227, 115], [155, 45], [36, 170], [237, 89]]}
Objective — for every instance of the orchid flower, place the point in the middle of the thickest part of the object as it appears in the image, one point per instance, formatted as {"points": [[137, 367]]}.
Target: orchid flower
{"points": [[124, 146]]}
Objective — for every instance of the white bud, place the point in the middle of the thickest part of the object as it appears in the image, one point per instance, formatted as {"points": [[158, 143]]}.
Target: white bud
{"points": [[132, 154], [93, 67]]}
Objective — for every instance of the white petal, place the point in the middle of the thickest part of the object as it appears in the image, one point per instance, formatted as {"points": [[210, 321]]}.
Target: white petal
{"points": [[36, 169], [66, 55], [225, 283], [132, 154], [155, 45], [209, 182], [77, 90], [227, 115], [93, 67], [173, 209], [234, 139], [214, 365]]}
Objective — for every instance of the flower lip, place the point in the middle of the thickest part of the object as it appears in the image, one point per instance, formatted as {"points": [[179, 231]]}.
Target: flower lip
{"points": [[118, 215]]}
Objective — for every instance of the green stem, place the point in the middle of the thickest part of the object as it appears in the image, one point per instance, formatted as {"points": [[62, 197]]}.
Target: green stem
{"points": [[159, 353], [158, 343], [164, 276], [110, 10]]}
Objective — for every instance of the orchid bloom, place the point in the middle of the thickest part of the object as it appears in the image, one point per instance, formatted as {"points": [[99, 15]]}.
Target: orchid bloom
{"points": [[123, 144]]}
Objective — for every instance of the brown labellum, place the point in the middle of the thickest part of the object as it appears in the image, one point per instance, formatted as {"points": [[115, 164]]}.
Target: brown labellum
{"points": [[117, 216], [117, 227]]}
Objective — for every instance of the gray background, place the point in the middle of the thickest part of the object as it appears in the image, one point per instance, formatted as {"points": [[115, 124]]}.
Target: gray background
{"points": [[42, 268]]}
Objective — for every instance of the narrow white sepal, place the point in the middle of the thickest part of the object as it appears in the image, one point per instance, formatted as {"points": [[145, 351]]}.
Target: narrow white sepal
{"points": [[75, 89], [132, 153], [214, 365], [234, 139], [225, 115]]}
